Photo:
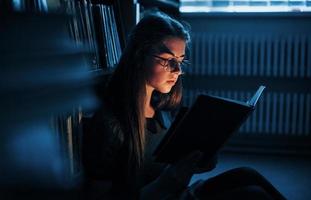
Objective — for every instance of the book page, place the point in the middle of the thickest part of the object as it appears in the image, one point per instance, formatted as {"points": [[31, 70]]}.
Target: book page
{"points": [[254, 99]]}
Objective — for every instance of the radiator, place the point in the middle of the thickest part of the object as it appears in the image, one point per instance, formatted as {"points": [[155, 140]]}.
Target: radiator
{"points": [[276, 113], [285, 57], [251, 55]]}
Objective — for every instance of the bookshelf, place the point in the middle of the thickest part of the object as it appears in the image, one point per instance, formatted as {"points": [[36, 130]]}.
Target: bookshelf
{"points": [[96, 25], [43, 74], [54, 55]]}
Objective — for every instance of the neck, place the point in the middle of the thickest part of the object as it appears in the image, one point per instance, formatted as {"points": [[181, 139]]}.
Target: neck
{"points": [[149, 110]]}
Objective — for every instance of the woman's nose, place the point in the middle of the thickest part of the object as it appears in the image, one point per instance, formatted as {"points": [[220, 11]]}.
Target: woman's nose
{"points": [[178, 71]]}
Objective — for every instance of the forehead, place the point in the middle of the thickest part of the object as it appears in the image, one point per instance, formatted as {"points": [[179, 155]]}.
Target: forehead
{"points": [[176, 46]]}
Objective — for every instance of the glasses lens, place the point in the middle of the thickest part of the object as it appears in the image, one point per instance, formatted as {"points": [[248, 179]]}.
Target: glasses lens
{"points": [[185, 63], [174, 65]]}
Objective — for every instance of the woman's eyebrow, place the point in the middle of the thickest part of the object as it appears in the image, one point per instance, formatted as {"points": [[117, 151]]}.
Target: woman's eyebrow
{"points": [[165, 49], [175, 55]]}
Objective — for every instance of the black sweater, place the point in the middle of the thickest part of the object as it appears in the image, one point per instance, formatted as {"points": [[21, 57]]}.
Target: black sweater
{"points": [[103, 155]]}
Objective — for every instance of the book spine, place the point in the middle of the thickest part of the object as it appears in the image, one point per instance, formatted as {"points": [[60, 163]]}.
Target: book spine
{"points": [[70, 144], [75, 23], [102, 36], [105, 33], [112, 37], [93, 43], [116, 35], [62, 140], [80, 22]]}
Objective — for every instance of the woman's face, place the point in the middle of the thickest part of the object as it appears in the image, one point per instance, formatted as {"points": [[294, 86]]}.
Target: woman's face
{"points": [[163, 74]]}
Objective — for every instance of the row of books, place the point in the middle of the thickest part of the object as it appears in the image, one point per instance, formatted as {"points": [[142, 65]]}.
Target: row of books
{"points": [[34, 5], [107, 27], [277, 113], [256, 55], [68, 132], [82, 29], [95, 26]]}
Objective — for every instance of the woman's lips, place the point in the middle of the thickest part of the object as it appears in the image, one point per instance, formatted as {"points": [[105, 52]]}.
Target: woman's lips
{"points": [[171, 81]]}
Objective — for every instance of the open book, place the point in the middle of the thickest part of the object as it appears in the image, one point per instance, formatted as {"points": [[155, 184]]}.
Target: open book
{"points": [[205, 126]]}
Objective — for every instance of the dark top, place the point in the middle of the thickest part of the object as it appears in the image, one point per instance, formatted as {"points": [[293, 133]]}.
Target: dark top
{"points": [[103, 155]]}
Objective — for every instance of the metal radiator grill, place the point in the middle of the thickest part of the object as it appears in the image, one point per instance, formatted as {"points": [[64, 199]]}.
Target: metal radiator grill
{"points": [[251, 55]]}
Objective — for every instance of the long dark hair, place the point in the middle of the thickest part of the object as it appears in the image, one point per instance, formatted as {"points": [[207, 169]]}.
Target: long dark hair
{"points": [[126, 90]]}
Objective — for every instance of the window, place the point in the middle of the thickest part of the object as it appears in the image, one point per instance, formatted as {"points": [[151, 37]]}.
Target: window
{"points": [[245, 5]]}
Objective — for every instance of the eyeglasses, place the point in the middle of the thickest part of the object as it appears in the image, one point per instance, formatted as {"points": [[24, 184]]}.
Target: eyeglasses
{"points": [[172, 64]]}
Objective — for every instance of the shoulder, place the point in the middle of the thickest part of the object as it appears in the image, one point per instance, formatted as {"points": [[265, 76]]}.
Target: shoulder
{"points": [[102, 144], [102, 132], [106, 123]]}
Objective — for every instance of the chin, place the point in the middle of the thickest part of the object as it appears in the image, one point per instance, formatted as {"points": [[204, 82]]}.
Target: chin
{"points": [[164, 90]]}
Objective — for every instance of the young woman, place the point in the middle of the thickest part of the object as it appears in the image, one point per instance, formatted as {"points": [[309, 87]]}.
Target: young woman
{"points": [[133, 117]]}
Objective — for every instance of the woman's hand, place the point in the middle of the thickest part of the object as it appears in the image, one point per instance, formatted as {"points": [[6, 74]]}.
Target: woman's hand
{"points": [[173, 179], [206, 164], [182, 171], [191, 191]]}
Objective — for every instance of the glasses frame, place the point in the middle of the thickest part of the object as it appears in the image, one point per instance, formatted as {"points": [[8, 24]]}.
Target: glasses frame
{"points": [[168, 68]]}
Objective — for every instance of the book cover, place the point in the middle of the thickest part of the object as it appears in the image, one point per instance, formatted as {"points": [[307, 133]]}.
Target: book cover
{"points": [[205, 126]]}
